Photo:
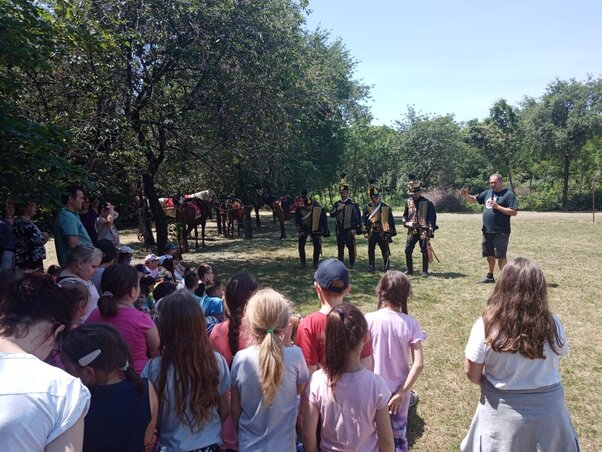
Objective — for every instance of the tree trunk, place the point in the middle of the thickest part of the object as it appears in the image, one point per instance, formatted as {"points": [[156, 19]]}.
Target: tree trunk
{"points": [[565, 181], [509, 171], [156, 210]]}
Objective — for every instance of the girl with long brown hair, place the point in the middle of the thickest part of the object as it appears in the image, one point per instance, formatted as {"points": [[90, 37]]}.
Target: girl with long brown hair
{"points": [[192, 380], [267, 376], [513, 352], [344, 386]]}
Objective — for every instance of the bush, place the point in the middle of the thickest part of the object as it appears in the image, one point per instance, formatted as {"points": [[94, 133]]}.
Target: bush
{"points": [[449, 201], [541, 201]]}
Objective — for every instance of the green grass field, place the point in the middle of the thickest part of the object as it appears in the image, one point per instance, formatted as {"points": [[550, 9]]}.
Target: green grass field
{"points": [[567, 246]]}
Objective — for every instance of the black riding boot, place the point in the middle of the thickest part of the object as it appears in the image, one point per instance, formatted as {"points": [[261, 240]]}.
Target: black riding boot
{"points": [[425, 265], [409, 264]]}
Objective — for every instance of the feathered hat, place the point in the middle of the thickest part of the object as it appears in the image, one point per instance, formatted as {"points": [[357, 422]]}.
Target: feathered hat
{"points": [[373, 190], [306, 196], [343, 186], [414, 185]]}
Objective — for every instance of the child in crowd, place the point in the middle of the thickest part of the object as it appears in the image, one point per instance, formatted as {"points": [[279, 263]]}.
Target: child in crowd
{"points": [[212, 307], [146, 285], [394, 336], [178, 268], [77, 294], [123, 409], [267, 377], [331, 283], [215, 289], [349, 400], [54, 271], [227, 337], [192, 381], [206, 275], [293, 323], [125, 255], [120, 290]]}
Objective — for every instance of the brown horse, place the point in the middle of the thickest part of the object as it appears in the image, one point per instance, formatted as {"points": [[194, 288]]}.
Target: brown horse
{"points": [[263, 199], [189, 214], [235, 211], [284, 209]]}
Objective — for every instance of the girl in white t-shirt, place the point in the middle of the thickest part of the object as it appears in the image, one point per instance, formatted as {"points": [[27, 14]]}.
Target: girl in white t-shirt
{"points": [[394, 336], [350, 401], [513, 353], [267, 376]]}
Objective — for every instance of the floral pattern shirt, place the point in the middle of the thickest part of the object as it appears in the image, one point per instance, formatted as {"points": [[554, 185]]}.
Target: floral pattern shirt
{"points": [[29, 242]]}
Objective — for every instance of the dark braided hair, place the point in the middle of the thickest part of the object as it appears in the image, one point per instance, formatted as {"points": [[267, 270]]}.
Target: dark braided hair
{"points": [[238, 291]]}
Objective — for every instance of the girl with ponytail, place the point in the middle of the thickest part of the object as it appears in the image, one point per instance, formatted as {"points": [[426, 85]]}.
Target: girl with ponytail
{"points": [[120, 289], [123, 409], [267, 376], [344, 386]]}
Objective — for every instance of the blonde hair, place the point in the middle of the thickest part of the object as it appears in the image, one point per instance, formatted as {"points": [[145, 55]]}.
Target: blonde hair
{"points": [[266, 316]]}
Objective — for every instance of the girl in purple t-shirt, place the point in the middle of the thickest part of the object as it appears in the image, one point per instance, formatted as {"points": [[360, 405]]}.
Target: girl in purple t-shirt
{"points": [[395, 335], [350, 401], [120, 289]]}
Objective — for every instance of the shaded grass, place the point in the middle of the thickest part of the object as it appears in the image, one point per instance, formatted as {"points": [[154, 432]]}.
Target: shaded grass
{"points": [[568, 248]]}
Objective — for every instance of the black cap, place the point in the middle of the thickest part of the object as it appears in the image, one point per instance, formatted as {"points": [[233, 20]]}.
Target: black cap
{"points": [[332, 275]]}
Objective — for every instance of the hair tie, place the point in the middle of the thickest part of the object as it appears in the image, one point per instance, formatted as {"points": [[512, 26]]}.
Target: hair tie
{"points": [[271, 331], [107, 293], [87, 359], [125, 366]]}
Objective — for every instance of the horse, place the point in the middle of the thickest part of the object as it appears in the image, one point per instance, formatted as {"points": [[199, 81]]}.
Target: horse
{"points": [[235, 211], [284, 209], [208, 196], [263, 199], [169, 205], [191, 212]]}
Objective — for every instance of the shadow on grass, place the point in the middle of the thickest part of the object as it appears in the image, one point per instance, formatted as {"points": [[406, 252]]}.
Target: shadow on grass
{"points": [[447, 275], [415, 426]]}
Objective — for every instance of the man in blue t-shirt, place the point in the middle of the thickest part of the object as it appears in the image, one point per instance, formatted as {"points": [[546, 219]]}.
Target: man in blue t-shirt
{"points": [[500, 204], [68, 228]]}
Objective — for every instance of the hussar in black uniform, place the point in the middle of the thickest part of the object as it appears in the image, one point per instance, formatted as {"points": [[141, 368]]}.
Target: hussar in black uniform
{"points": [[348, 223], [311, 221], [379, 227]]}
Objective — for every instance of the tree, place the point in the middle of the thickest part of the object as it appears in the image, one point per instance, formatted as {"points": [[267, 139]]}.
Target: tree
{"points": [[31, 151], [430, 147], [498, 138], [559, 125]]}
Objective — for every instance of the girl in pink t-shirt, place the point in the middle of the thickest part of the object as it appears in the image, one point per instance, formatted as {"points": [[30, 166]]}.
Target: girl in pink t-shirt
{"points": [[120, 289], [350, 401], [394, 336]]}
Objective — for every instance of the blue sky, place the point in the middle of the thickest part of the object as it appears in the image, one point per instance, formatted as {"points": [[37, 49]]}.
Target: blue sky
{"points": [[461, 56]]}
